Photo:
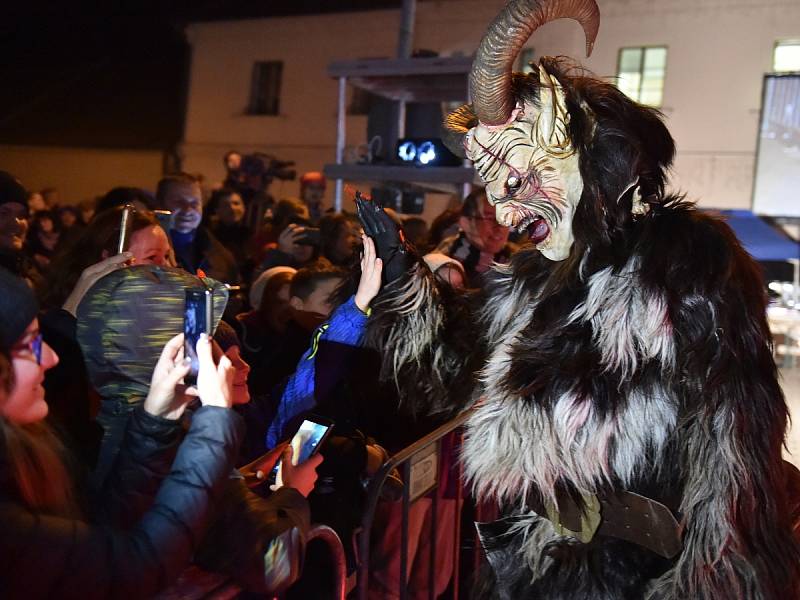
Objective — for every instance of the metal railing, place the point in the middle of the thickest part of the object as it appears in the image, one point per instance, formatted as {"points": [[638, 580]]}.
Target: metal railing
{"points": [[414, 462]]}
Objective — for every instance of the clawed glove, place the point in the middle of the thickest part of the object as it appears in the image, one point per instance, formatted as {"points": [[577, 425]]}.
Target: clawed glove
{"points": [[390, 243]]}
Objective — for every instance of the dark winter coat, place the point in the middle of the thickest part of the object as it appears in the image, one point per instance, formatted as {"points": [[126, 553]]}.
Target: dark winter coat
{"points": [[43, 556], [208, 254]]}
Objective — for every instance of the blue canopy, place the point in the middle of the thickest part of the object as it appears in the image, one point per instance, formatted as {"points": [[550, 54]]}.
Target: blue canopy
{"points": [[758, 237]]}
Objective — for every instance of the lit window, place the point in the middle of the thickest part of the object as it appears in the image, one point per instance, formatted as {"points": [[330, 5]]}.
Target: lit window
{"points": [[526, 57], [786, 57], [265, 88], [640, 73]]}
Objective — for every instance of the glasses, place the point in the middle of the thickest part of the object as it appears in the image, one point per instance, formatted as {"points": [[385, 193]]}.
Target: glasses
{"points": [[34, 347], [491, 220]]}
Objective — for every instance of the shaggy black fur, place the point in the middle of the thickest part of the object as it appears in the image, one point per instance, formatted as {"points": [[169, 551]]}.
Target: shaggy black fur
{"points": [[721, 471]]}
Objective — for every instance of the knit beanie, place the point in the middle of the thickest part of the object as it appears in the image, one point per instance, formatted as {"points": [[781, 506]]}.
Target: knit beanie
{"points": [[18, 307], [11, 190], [257, 289]]}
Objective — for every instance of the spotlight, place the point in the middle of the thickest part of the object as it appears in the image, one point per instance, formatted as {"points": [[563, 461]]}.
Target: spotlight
{"points": [[425, 152], [407, 151]]}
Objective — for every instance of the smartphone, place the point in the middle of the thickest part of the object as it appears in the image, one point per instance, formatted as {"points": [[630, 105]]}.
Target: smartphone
{"points": [[124, 227], [309, 237], [306, 442], [197, 319]]}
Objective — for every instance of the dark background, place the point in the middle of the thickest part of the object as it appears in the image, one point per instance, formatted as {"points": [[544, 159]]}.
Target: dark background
{"points": [[115, 76]]}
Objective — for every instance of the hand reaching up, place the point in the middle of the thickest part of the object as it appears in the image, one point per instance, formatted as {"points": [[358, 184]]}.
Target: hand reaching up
{"points": [[390, 242], [214, 381], [371, 269], [166, 398]]}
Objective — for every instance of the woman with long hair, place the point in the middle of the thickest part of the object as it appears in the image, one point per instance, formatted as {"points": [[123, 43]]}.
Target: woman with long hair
{"points": [[52, 546]]}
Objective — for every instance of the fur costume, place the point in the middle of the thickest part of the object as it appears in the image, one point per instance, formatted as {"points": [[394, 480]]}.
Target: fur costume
{"points": [[626, 356]]}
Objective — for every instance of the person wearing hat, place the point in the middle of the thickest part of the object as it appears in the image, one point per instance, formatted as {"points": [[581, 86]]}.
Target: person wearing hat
{"points": [[312, 192], [52, 546], [14, 228]]}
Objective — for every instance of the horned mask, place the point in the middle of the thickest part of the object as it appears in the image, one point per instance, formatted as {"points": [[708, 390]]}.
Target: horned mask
{"points": [[521, 147]]}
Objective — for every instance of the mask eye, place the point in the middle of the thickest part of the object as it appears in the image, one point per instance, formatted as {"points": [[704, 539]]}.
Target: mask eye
{"points": [[513, 183]]}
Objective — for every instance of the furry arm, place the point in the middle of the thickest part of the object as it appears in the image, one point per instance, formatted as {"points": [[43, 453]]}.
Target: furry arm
{"points": [[429, 341]]}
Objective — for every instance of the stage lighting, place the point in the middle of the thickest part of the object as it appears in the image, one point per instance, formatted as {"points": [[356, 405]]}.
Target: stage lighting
{"points": [[423, 152], [406, 151], [427, 153]]}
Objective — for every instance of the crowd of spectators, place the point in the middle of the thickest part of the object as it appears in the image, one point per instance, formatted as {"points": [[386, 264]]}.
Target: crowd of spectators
{"points": [[115, 474]]}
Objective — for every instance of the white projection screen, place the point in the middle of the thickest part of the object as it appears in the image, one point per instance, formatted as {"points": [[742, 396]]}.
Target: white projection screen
{"points": [[776, 190]]}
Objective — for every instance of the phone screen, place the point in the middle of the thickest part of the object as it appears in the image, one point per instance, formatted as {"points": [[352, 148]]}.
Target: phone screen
{"points": [[306, 442], [196, 320]]}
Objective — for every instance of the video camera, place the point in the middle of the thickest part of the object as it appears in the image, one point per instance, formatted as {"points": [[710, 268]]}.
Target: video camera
{"points": [[267, 167]]}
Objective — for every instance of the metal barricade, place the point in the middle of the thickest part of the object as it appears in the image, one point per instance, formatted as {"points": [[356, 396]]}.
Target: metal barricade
{"points": [[414, 462]]}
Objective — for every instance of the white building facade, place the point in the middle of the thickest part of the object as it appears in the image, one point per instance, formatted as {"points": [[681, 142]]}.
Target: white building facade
{"points": [[718, 52]]}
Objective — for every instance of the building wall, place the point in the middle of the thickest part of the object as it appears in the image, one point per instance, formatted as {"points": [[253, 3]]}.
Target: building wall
{"points": [[719, 51], [81, 173]]}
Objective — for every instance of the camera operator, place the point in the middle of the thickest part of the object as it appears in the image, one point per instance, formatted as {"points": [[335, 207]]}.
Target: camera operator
{"points": [[256, 172]]}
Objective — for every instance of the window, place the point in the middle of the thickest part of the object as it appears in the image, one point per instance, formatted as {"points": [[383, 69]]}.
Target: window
{"points": [[265, 88], [640, 73], [526, 57], [786, 57]]}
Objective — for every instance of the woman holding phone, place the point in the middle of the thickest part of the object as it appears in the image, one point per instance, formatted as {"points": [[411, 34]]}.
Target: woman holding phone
{"points": [[49, 546]]}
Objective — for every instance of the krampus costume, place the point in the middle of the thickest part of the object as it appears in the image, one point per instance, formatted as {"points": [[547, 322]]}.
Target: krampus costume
{"points": [[627, 413]]}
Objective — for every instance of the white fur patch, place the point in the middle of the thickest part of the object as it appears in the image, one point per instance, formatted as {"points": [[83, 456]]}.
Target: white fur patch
{"points": [[420, 317], [512, 443], [629, 323]]}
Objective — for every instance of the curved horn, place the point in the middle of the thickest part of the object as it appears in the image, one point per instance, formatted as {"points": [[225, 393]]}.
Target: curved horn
{"points": [[456, 126], [490, 78]]}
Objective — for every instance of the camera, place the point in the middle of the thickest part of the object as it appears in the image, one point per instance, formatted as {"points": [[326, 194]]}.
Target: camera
{"points": [[267, 167]]}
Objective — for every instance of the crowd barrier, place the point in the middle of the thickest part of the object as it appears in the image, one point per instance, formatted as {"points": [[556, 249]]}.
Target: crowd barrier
{"points": [[197, 584], [420, 467]]}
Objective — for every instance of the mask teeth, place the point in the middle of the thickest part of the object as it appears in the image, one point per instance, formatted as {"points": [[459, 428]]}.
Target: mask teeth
{"points": [[525, 223]]}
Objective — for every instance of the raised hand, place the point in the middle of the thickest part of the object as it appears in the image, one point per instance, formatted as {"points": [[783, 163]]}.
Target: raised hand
{"points": [[287, 240], [165, 397], [214, 381], [390, 243], [371, 269]]}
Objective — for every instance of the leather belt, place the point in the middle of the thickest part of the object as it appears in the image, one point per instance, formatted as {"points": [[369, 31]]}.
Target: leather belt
{"points": [[620, 514]]}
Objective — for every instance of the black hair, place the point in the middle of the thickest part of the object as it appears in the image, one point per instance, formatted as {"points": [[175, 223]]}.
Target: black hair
{"points": [[173, 179], [120, 196], [306, 280]]}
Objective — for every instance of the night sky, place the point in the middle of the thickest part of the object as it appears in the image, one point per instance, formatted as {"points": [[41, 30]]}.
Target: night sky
{"points": [[116, 78]]}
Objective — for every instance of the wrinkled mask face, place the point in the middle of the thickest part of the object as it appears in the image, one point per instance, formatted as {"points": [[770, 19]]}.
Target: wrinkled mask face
{"points": [[531, 171]]}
